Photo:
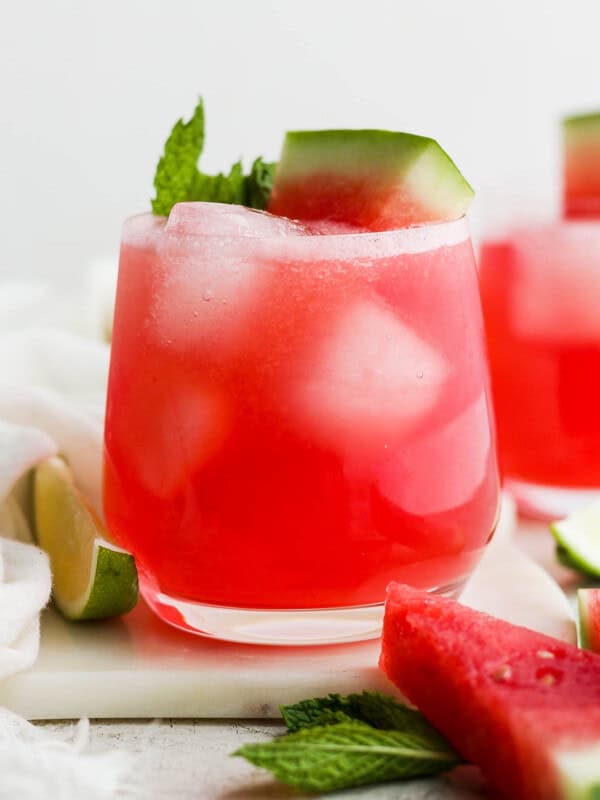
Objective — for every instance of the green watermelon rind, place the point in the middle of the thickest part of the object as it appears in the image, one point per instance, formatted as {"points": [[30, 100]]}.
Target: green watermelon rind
{"points": [[583, 629], [579, 771], [581, 126], [580, 131], [434, 178]]}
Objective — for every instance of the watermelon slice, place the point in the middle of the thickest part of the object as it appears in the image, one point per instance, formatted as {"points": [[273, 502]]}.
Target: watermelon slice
{"points": [[588, 602], [522, 706], [368, 179], [581, 178]]}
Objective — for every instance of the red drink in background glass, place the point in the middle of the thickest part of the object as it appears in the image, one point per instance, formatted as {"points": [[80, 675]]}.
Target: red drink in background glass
{"points": [[294, 420], [541, 297]]}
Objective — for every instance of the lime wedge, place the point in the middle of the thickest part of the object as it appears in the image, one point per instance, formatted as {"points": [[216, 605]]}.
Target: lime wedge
{"points": [[578, 541], [91, 578]]}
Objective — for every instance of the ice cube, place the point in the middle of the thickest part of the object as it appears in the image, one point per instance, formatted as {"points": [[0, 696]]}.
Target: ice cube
{"points": [[223, 219], [190, 422], [443, 468], [212, 267], [205, 291], [373, 378], [555, 283]]}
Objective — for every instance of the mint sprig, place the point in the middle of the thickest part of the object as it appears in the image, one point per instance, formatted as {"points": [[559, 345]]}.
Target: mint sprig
{"points": [[178, 178], [326, 758], [177, 170], [379, 710], [259, 184], [338, 742]]}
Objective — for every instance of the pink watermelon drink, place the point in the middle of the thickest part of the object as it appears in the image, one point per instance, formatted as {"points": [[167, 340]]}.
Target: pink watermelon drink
{"points": [[522, 706], [295, 419], [540, 290]]}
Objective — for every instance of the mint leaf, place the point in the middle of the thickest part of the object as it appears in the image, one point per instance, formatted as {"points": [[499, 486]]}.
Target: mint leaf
{"points": [[259, 184], [380, 711], [221, 188], [177, 171], [331, 757], [178, 178]]}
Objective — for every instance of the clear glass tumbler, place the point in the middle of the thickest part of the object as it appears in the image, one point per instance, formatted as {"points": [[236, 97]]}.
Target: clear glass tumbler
{"points": [[540, 288], [295, 420]]}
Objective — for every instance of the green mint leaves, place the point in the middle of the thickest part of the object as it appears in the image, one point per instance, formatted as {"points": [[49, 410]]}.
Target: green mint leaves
{"points": [[339, 742], [178, 178], [176, 172], [330, 757], [259, 184], [378, 710]]}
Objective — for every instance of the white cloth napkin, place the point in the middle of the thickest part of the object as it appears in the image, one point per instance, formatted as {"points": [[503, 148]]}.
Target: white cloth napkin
{"points": [[52, 394], [35, 766]]}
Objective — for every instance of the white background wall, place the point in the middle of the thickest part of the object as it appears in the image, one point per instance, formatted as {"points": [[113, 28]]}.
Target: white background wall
{"points": [[89, 91]]}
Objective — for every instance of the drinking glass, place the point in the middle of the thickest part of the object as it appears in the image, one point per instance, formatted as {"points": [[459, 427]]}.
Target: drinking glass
{"points": [[540, 289], [296, 419]]}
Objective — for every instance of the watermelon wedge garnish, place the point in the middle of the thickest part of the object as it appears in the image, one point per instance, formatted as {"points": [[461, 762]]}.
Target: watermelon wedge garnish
{"points": [[368, 179], [581, 167], [522, 706], [588, 602]]}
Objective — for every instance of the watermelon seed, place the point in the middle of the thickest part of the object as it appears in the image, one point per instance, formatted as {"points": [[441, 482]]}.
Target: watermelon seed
{"points": [[545, 654], [502, 673], [547, 679]]}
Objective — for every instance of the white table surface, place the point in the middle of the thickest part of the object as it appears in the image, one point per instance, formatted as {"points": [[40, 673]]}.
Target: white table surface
{"points": [[189, 760]]}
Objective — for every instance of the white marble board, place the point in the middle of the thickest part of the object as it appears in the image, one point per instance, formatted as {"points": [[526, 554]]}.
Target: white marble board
{"points": [[139, 667]]}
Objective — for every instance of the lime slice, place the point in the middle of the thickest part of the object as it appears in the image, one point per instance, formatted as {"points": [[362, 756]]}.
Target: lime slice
{"points": [[91, 578], [578, 541]]}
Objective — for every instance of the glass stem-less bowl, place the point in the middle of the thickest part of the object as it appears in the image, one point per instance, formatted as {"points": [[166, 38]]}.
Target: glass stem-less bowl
{"points": [[296, 420]]}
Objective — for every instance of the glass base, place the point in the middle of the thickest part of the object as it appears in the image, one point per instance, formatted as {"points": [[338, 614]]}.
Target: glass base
{"points": [[549, 502], [287, 627]]}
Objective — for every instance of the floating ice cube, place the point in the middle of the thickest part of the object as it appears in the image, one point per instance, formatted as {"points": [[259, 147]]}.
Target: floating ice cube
{"points": [[373, 378], [223, 219], [206, 289], [555, 283], [443, 468], [189, 424], [212, 267]]}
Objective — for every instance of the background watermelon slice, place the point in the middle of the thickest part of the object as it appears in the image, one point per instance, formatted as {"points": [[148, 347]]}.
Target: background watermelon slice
{"points": [[588, 601], [523, 706], [372, 180], [581, 168]]}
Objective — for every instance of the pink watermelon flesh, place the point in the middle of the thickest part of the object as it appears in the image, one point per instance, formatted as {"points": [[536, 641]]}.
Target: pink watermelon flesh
{"points": [[589, 619], [522, 706]]}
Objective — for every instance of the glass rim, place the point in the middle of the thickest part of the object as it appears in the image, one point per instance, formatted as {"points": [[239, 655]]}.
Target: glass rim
{"points": [[147, 229]]}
